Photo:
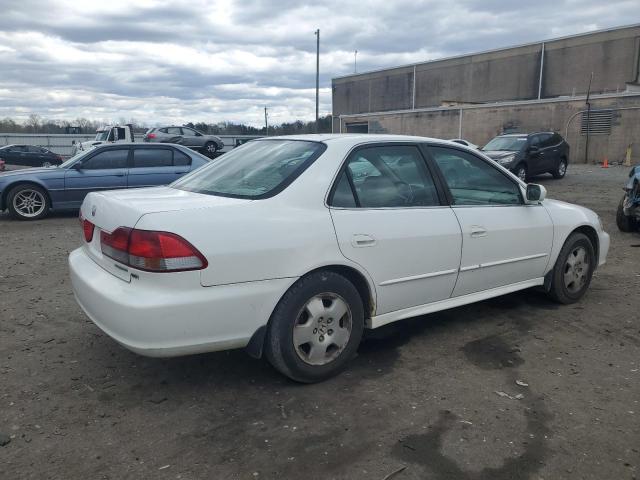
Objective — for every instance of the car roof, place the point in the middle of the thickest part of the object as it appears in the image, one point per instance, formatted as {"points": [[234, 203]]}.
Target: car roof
{"points": [[148, 145], [525, 134], [357, 138]]}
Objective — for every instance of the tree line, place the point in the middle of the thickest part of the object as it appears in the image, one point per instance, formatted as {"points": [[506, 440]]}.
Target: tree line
{"points": [[37, 124]]}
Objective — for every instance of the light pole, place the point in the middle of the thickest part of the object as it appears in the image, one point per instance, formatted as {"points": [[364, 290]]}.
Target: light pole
{"points": [[266, 122], [355, 61], [317, 32]]}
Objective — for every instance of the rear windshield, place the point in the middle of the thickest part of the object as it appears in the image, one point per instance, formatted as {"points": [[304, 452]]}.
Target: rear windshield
{"points": [[257, 169], [512, 144]]}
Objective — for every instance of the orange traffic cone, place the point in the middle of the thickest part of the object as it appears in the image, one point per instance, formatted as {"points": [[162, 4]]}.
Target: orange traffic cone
{"points": [[605, 164]]}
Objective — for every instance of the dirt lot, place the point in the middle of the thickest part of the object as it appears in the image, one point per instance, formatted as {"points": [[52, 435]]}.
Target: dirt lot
{"points": [[420, 395]]}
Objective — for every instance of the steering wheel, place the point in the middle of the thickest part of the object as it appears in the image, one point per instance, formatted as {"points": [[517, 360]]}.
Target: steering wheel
{"points": [[405, 192]]}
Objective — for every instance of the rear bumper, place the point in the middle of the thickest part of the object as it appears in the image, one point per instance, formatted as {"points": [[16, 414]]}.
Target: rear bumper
{"points": [[172, 318]]}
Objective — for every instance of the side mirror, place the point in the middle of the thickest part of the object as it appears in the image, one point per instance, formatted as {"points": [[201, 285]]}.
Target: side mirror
{"points": [[535, 193], [534, 149], [77, 166]]}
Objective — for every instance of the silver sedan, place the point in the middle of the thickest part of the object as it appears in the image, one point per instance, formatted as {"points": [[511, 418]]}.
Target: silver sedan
{"points": [[187, 136]]}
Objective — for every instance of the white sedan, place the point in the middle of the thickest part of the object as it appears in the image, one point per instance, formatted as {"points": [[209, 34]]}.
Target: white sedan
{"points": [[291, 246]]}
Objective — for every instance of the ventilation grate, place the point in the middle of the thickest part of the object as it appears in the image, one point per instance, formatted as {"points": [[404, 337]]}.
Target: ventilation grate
{"points": [[599, 122]]}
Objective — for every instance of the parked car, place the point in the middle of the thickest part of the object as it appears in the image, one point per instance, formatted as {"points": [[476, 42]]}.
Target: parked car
{"points": [[28, 156], [189, 137], [278, 247], [530, 154], [106, 134], [466, 143], [31, 193], [628, 214]]}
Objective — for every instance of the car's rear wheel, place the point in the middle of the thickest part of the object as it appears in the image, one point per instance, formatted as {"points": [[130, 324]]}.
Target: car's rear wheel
{"points": [[28, 202], [316, 327], [573, 269], [625, 223], [561, 169], [521, 172]]}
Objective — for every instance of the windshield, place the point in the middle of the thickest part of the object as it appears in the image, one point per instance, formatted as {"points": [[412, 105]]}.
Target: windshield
{"points": [[102, 136], [73, 159], [511, 144], [257, 169]]}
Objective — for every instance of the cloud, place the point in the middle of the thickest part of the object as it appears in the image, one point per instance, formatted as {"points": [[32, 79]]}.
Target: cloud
{"points": [[203, 60]]}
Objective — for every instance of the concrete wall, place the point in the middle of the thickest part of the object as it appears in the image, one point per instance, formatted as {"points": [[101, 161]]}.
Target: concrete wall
{"points": [[481, 123], [501, 75]]}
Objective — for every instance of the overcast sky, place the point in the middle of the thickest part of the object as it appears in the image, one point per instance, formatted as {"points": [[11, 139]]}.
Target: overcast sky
{"points": [[213, 60]]}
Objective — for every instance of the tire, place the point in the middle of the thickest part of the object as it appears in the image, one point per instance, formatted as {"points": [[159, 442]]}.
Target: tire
{"points": [[210, 149], [28, 202], [561, 169], [301, 329], [521, 171], [625, 223], [573, 269]]}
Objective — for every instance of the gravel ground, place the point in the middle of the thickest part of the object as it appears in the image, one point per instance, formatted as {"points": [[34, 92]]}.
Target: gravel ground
{"points": [[437, 396]]}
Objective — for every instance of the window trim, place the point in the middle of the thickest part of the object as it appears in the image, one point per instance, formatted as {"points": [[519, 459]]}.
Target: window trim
{"points": [[442, 199], [489, 162]]}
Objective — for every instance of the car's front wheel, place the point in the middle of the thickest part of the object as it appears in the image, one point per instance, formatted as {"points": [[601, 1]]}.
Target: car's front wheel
{"points": [[573, 269], [210, 148], [316, 327], [561, 169], [521, 172], [28, 202]]}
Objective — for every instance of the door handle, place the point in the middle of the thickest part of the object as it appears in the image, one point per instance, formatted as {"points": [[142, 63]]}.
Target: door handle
{"points": [[361, 240], [478, 231], [120, 174]]}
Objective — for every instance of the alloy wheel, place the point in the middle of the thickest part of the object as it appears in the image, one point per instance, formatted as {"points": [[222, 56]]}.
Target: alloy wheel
{"points": [[562, 168], [29, 203], [322, 329], [522, 174], [576, 270]]}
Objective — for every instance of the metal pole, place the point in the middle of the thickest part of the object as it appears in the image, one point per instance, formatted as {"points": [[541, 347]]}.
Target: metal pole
{"points": [[266, 122], [541, 70], [460, 124], [355, 61], [317, 78], [413, 94], [586, 145]]}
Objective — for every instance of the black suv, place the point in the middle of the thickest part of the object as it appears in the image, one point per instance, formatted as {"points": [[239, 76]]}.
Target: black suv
{"points": [[530, 154]]}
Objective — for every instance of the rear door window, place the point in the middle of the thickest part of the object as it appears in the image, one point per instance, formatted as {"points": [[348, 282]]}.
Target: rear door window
{"points": [[152, 157], [181, 159], [386, 177]]}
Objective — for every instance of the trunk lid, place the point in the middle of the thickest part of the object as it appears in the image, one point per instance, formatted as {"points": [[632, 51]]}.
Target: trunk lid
{"points": [[124, 208]]}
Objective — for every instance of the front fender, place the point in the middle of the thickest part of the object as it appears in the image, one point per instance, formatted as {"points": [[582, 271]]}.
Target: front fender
{"points": [[566, 219]]}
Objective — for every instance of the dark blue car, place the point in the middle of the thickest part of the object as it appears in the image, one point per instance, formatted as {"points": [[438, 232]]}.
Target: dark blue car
{"points": [[30, 194]]}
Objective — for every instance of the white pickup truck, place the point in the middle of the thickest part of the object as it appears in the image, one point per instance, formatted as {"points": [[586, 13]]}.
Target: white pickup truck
{"points": [[107, 134]]}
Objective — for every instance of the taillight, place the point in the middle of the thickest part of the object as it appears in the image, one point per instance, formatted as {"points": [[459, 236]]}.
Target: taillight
{"points": [[115, 244], [151, 135], [151, 251], [87, 228]]}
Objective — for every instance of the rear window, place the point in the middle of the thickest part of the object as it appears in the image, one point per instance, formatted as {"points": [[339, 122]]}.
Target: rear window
{"points": [[257, 169]]}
